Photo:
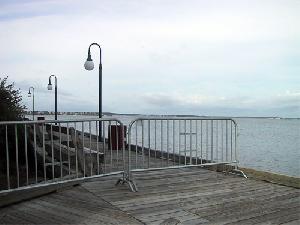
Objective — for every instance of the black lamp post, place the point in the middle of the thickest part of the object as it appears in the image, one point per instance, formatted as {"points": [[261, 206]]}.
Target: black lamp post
{"points": [[89, 65], [29, 95], [50, 88]]}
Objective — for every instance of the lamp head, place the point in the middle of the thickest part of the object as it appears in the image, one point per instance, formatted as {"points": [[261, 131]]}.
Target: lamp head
{"points": [[89, 64], [29, 94], [49, 86]]}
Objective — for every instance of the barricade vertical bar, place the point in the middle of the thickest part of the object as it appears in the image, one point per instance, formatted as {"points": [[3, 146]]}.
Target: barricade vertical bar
{"points": [[26, 155], [201, 140], [173, 142], [83, 150], [110, 143], [161, 142], [226, 140], [206, 140], [52, 150], [196, 142], [117, 142], [143, 155], [155, 139], [167, 142], [222, 140], [68, 148], [185, 133], [104, 147], [60, 155], [217, 138], [76, 149], [231, 140], [17, 155], [44, 151], [212, 142], [129, 157], [149, 143], [90, 146], [123, 150], [97, 146], [35, 153], [235, 145], [179, 142], [136, 145], [191, 154], [7, 158]]}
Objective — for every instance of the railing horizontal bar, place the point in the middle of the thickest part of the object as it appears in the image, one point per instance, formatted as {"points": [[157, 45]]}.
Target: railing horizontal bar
{"points": [[182, 166], [188, 133], [57, 121]]}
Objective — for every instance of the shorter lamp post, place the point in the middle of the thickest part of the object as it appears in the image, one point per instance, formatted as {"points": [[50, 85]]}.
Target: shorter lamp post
{"points": [[50, 88], [29, 95]]}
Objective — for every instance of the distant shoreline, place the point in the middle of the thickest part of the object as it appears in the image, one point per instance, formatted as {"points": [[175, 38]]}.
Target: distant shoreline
{"points": [[46, 113]]}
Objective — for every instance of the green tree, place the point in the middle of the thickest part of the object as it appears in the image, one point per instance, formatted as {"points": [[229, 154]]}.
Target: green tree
{"points": [[11, 108]]}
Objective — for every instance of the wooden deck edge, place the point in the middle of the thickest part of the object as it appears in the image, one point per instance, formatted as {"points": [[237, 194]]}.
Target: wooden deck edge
{"points": [[261, 175], [272, 177], [16, 196]]}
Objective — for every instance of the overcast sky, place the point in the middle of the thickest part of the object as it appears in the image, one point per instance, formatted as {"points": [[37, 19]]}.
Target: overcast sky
{"points": [[217, 58]]}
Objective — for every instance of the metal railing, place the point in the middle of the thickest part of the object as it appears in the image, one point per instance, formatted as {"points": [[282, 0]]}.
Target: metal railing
{"points": [[35, 153], [165, 142], [39, 153]]}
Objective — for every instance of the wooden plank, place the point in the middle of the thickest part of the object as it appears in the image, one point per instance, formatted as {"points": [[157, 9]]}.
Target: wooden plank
{"points": [[249, 214], [191, 204], [293, 222], [179, 215], [13, 219], [43, 214], [275, 217], [33, 216], [202, 199], [112, 194], [246, 203], [189, 195], [141, 197], [196, 185]]}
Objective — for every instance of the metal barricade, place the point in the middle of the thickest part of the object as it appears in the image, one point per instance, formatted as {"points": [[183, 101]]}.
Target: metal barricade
{"points": [[39, 153], [170, 142]]}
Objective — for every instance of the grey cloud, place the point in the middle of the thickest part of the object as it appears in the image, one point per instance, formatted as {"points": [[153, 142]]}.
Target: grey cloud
{"points": [[40, 87], [285, 106], [160, 100]]}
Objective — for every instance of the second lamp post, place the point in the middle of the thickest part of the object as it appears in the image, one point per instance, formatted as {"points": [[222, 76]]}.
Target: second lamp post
{"points": [[89, 65], [50, 88]]}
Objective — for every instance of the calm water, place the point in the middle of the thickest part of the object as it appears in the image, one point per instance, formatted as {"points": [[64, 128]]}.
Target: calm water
{"points": [[264, 144], [270, 145]]}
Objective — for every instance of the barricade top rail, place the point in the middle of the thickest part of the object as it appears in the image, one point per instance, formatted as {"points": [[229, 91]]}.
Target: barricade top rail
{"points": [[59, 121], [181, 118]]}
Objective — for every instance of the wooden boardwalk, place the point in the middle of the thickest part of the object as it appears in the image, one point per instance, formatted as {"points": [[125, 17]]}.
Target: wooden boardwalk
{"points": [[173, 196]]}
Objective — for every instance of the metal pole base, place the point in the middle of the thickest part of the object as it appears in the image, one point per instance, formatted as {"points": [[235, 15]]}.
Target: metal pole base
{"points": [[239, 172], [125, 180]]}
